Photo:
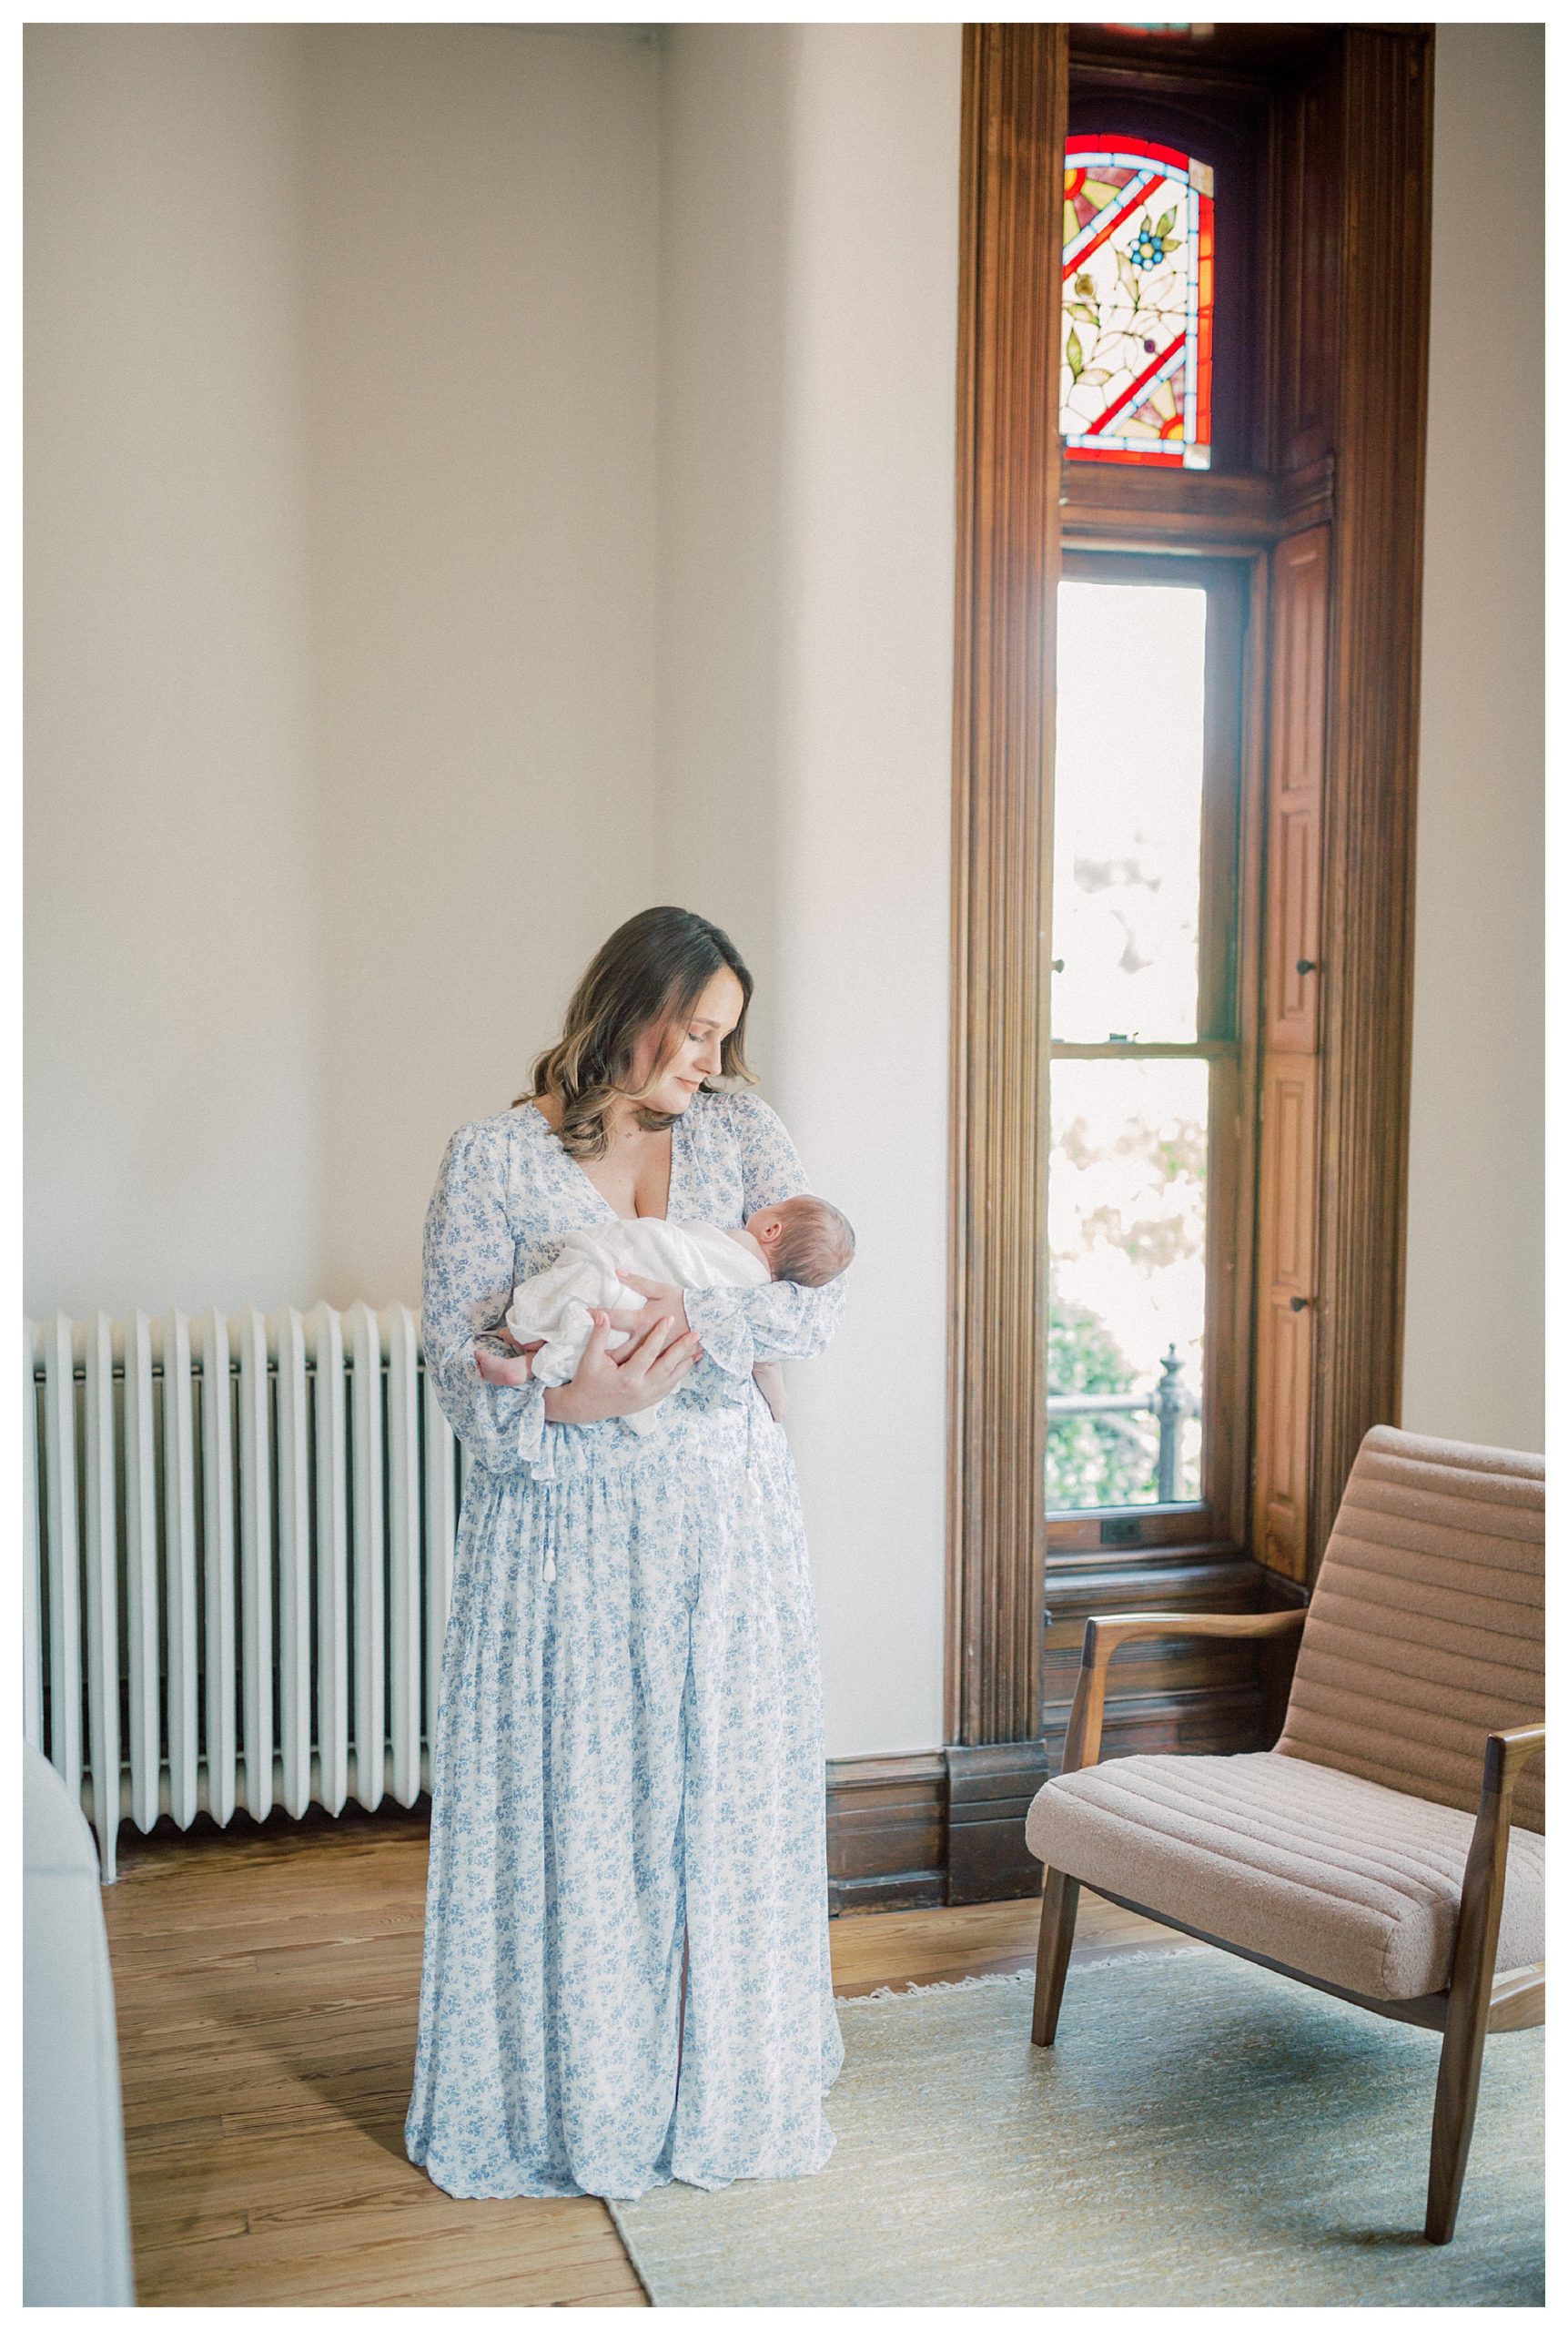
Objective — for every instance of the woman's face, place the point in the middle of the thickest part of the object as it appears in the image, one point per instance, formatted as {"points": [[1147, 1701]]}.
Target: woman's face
{"points": [[697, 1053]]}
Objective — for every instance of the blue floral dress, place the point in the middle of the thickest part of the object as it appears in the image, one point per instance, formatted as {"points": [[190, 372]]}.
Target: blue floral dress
{"points": [[628, 1758]]}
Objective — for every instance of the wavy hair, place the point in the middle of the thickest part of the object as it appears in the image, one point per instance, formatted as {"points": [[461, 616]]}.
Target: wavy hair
{"points": [[648, 974]]}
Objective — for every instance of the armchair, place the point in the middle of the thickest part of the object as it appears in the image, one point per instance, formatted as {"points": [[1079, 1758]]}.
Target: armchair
{"points": [[1389, 1849]]}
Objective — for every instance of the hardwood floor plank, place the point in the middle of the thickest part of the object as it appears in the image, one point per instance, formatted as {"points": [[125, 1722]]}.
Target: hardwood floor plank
{"points": [[145, 2135], [271, 2267]]}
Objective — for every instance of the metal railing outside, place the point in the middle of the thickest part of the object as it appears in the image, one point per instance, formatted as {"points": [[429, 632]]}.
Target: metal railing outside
{"points": [[1170, 1404]]}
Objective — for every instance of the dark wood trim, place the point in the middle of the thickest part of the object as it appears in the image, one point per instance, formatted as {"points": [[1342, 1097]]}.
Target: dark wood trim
{"points": [[1247, 58], [1212, 511], [1369, 791], [989, 1792], [1305, 497], [886, 1833], [1103, 499], [1008, 545], [1141, 1528]]}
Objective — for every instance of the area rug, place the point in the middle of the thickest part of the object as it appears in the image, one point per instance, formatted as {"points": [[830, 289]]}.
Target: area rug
{"points": [[1204, 2133]]}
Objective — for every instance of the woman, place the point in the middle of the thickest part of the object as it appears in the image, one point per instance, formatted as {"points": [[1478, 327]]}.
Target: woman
{"points": [[626, 1973]]}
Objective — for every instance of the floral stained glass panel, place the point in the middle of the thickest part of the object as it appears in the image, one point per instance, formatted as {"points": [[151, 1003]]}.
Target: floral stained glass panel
{"points": [[1137, 303]]}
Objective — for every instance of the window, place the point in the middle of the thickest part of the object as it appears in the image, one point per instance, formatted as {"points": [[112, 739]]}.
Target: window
{"points": [[1146, 1034], [1137, 303]]}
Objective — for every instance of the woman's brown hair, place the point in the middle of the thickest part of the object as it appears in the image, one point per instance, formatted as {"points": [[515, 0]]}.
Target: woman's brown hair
{"points": [[649, 973]]}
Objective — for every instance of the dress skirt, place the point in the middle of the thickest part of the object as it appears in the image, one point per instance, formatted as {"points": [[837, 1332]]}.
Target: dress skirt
{"points": [[628, 1767]]}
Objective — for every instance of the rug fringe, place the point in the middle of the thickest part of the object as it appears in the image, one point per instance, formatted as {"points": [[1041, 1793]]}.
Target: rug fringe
{"points": [[1021, 1974]]}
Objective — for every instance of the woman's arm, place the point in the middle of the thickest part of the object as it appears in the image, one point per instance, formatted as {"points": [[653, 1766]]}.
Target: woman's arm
{"points": [[469, 1255], [742, 1324]]}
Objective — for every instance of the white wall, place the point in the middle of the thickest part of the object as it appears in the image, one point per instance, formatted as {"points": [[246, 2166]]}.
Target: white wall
{"points": [[340, 380], [174, 998], [809, 314], [1475, 1298], [482, 219], [726, 112]]}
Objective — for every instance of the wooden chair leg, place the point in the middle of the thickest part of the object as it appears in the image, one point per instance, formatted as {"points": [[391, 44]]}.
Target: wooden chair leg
{"points": [[1058, 1916], [1454, 2114]]}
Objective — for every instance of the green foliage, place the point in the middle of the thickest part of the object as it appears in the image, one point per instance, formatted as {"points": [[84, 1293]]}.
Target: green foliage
{"points": [[1091, 1460]]}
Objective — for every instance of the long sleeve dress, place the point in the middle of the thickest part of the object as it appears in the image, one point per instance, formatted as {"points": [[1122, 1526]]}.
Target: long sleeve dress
{"points": [[628, 1759]]}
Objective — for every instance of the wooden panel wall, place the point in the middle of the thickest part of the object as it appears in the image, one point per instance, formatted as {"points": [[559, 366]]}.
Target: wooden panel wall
{"points": [[1351, 181], [1308, 149], [1375, 664]]}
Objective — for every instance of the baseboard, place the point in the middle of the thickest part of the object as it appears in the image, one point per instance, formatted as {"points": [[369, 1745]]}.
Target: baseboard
{"points": [[886, 1832], [989, 1792]]}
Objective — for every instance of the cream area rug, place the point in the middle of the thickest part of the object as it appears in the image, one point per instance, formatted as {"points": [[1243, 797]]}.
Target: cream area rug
{"points": [[1203, 2133]]}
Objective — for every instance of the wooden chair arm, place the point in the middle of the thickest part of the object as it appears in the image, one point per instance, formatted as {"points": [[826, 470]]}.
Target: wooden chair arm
{"points": [[1104, 1636], [1507, 1753], [1486, 1866]]}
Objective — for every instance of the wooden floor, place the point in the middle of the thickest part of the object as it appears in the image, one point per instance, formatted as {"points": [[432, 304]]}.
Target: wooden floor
{"points": [[267, 1992]]}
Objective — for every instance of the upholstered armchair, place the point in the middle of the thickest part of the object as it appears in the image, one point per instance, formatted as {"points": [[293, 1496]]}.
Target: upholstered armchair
{"points": [[1389, 1848]]}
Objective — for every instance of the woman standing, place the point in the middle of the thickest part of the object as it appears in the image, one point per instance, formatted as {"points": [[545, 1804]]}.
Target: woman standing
{"points": [[626, 1973]]}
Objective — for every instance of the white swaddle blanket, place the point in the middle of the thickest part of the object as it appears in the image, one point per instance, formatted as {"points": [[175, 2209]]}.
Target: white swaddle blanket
{"points": [[557, 1303]]}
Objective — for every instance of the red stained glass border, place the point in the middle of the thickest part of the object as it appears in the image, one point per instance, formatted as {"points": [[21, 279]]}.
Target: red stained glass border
{"points": [[1203, 431], [1106, 142], [1124, 453]]}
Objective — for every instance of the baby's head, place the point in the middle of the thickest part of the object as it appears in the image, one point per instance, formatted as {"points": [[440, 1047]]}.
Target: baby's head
{"points": [[804, 1239]]}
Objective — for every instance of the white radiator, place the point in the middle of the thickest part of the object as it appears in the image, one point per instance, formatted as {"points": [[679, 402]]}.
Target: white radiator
{"points": [[237, 1547]]}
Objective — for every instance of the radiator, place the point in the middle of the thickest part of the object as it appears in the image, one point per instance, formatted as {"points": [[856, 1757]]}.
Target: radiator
{"points": [[238, 1541]]}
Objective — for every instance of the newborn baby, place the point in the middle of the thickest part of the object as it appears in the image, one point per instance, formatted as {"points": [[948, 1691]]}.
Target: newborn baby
{"points": [[804, 1239]]}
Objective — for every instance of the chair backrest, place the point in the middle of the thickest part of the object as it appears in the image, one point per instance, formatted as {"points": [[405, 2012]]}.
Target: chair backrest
{"points": [[1426, 1627]]}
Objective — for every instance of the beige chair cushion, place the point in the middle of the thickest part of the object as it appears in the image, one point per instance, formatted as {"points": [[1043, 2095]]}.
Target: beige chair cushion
{"points": [[1425, 1628], [1336, 1876]]}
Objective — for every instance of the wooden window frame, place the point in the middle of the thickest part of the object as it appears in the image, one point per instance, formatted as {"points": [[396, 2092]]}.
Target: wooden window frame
{"points": [[1227, 1037], [1338, 442]]}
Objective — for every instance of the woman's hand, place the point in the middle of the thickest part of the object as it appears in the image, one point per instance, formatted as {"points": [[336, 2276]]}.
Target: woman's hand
{"points": [[664, 1301], [617, 1383]]}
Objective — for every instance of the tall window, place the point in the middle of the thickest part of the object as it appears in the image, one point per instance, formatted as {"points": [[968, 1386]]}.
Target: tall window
{"points": [[1144, 1053], [1242, 226], [1146, 1047]]}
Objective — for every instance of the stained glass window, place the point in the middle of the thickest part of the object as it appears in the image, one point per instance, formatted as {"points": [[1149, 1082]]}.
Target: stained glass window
{"points": [[1137, 303]]}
